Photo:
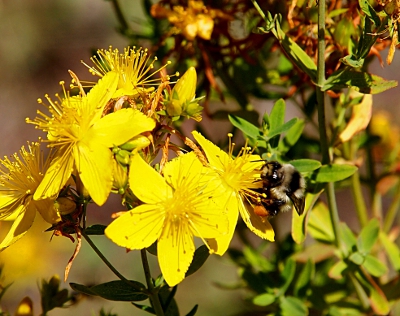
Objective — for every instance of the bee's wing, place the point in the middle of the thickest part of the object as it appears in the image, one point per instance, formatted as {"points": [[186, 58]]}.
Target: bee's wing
{"points": [[298, 202]]}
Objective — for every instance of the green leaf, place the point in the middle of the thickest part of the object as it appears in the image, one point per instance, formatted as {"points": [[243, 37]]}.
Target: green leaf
{"points": [[257, 260], [369, 11], [292, 306], [360, 81], [95, 229], [291, 137], [299, 225], [264, 299], [305, 165], [374, 266], [152, 249], [283, 128], [357, 258], [193, 311], [304, 280], [334, 172], [337, 270], [145, 308], [246, 127], [114, 290], [320, 225], [368, 236], [379, 302], [200, 257], [287, 276], [391, 249], [348, 238]]}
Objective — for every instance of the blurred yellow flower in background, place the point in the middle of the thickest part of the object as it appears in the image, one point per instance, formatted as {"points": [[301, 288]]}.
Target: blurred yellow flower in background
{"points": [[194, 20], [19, 180], [238, 176], [178, 206]]}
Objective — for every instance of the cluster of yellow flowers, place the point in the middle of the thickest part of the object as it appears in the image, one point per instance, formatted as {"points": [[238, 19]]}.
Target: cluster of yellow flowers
{"points": [[106, 141]]}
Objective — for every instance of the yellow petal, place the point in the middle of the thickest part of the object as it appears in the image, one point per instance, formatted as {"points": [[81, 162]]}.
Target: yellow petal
{"points": [[221, 244], [185, 88], [119, 127], [182, 167], [175, 250], [47, 210], [257, 224], [216, 157], [57, 175], [20, 226], [100, 94], [138, 228], [146, 183], [94, 164]]}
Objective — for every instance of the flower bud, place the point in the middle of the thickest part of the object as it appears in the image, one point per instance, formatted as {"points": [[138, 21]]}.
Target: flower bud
{"points": [[182, 93], [138, 142]]}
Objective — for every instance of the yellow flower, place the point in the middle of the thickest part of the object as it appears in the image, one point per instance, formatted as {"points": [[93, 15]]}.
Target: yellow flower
{"points": [[83, 139], [19, 180], [238, 176], [194, 20], [132, 66], [178, 206]]}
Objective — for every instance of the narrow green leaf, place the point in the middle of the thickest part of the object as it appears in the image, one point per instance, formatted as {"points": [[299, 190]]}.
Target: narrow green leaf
{"points": [[360, 81], [114, 290], [291, 137], [283, 128], [200, 257], [299, 221], [292, 306], [374, 266], [145, 308], [287, 276], [264, 299], [95, 230], [304, 280], [82, 289], [391, 249], [246, 127], [193, 311], [369, 11], [368, 236], [348, 238], [296, 54], [277, 115], [334, 172], [379, 302], [305, 165], [320, 225]]}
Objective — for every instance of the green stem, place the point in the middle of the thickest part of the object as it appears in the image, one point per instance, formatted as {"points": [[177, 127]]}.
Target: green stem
{"points": [[330, 188], [120, 16], [153, 293], [360, 291], [108, 263], [393, 209]]}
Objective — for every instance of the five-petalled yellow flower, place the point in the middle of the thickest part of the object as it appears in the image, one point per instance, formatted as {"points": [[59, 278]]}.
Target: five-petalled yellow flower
{"points": [[19, 179], [238, 176], [178, 206], [83, 137]]}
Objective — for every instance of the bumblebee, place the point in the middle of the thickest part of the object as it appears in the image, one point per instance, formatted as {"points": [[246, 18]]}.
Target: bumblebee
{"points": [[281, 185]]}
